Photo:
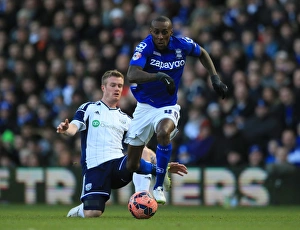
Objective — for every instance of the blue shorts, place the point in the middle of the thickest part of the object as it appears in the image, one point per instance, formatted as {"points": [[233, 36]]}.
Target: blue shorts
{"points": [[100, 180]]}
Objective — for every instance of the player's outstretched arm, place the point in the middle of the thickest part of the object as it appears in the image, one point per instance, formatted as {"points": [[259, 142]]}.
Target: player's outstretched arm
{"points": [[177, 168], [220, 88]]}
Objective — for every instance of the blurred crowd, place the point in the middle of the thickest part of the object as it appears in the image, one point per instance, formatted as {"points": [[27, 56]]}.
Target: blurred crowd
{"points": [[53, 54]]}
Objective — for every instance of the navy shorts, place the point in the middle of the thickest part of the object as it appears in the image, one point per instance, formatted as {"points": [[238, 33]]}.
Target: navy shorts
{"points": [[100, 180]]}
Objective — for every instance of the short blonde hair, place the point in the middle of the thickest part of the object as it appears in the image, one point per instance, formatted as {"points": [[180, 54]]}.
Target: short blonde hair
{"points": [[111, 73]]}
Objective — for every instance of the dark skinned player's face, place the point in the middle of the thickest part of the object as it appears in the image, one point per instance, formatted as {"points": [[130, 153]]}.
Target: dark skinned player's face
{"points": [[161, 33]]}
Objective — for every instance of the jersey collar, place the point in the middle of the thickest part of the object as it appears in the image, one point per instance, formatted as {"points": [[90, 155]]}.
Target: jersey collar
{"points": [[108, 106]]}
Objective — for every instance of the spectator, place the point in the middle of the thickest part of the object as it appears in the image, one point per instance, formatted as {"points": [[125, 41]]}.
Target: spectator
{"points": [[230, 142], [244, 106], [268, 39], [234, 159], [29, 55], [43, 115], [217, 49], [65, 159], [5, 117], [72, 83], [280, 79], [192, 86], [51, 91], [227, 106], [233, 8], [280, 166], [287, 112], [227, 68], [296, 51], [193, 125], [259, 52], [79, 22], [288, 139], [296, 86], [121, 63], [141, 18], [248, 43], [217, 25], [261, 127], [256, 157], [255, 87], [286, 37], [27, 88], [70, 8], [238, 54], [239, 77], [270, 96], [267, 71], [243, 22], [291, 9], [43, 42], [93, 28], [24, 115], [18, 146], [128, 9], [48, 11], [214, 115], [5, 161], [271, 149], [89, 86], [70, 56], [195, 152]]}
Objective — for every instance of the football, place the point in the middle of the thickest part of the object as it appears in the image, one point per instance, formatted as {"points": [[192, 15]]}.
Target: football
{"points": [[142, 205]]}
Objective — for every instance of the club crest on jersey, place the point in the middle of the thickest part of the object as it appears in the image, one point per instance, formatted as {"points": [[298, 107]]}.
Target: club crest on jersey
{"points": [[141, 47], [88, 186], [178, 53], [136, 56], [95, 123]]}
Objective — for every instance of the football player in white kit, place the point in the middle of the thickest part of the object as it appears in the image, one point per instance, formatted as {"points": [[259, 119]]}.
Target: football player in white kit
{"points": [[102, 126]]}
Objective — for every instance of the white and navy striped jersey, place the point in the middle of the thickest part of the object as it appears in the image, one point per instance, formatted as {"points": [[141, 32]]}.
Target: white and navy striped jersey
{"points": [[102, 130]]}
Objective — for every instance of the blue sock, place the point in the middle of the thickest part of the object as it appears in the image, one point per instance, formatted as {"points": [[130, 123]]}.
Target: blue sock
{"points": [[163, 155], [146, 168]]}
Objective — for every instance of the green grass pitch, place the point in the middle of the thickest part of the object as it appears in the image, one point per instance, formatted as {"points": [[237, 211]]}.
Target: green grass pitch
{"points": [[53, 217]]}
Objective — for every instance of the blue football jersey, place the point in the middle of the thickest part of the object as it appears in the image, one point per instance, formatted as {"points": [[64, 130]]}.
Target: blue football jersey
{"points": [[170, 61]]}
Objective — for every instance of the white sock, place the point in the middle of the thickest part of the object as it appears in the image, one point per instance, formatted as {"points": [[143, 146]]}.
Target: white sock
{"points": [[81, 212], [141, 182]]}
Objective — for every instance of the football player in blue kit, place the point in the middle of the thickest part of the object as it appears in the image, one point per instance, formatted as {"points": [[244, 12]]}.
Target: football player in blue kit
{"points": [[102, 126], [156, 68]]}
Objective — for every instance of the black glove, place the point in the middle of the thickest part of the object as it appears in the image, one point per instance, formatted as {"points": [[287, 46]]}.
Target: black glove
{"points": [[219, 86], [168, 81]]}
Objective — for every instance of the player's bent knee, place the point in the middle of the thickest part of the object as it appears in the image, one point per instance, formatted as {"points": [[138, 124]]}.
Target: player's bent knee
{"points": [[94, 205]]}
